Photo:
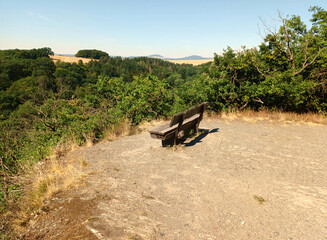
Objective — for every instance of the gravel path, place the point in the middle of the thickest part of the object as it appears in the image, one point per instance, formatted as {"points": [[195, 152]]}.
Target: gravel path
{"points": [[238, 180]]}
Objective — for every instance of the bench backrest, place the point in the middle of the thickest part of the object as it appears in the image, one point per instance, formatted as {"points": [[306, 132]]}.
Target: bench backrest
{"points": [[178, 118], [199, 109]]}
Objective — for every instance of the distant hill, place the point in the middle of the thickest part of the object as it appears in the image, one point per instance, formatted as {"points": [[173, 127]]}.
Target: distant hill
{"points": [[156, 56], [192, 57], [63, 54]]}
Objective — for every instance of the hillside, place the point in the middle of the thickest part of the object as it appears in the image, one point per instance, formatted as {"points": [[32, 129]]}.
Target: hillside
{"points": [[238, 180]]}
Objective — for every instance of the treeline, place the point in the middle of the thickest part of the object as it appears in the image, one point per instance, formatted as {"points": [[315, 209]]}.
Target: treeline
{"points": [[43, 103]]}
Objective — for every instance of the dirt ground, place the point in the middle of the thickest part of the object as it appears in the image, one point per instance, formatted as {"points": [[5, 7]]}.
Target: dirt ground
{"points": [[237, 180]]}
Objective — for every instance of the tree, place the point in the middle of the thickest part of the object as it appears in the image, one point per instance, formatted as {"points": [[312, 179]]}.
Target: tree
{"points": [[293, 48], [91, 53]]}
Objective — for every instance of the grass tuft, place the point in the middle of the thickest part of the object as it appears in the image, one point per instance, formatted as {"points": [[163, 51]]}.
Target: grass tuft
{"points": [[121, 129], [259, 199]]}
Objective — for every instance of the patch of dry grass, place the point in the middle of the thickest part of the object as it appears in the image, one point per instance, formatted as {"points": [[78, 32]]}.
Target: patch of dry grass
{"points": [[193, 62], [121, 129], [68, 59], [146, 125], [276, 116], [57, 177], [42, 181], [48, 178]]}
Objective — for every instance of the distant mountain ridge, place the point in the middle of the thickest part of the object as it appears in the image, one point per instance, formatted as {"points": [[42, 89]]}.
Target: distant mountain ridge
{"points": [[155, 56], [192, 57], [65, 55]]}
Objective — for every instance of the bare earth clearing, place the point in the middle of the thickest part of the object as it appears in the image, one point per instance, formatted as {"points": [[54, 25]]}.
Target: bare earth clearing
{"points": [[238, 180]]}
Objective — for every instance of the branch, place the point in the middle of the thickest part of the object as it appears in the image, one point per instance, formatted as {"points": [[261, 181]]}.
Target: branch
{"points": [[287, 38], [259, 100], [244, 105], [273, 40], [305, 64], [259, 71]]}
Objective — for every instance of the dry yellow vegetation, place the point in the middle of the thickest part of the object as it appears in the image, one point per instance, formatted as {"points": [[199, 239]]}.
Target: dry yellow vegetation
{"points": [[69, 59], [276, 116], [193, 62]]}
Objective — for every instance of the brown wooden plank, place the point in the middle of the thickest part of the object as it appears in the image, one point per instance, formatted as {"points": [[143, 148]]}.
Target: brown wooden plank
{"points": [[194, 117], [165, 130], [178, 118]]}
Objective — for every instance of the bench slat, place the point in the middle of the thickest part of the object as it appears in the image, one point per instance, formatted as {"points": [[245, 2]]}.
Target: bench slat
{"points": [[164, 130], [188, 120]]}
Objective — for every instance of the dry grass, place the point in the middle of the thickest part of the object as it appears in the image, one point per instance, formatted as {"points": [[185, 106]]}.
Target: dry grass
{"points": [[68, 59], [276, 116], [48, 178], [58, 177], [121, 129], [42, 181], [193, 62]]}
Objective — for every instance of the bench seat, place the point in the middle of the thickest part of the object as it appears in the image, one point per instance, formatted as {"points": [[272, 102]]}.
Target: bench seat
{"points": [[163, 130]]}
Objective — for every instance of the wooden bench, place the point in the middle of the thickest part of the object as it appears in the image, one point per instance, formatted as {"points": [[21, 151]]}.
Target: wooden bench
{"points": [[181, 122]]}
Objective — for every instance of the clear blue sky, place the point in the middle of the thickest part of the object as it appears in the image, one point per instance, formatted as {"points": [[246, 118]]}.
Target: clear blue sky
{"points": [[172, 28]]}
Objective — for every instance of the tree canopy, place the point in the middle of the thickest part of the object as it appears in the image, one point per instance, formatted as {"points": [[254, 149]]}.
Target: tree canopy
{"points": [[91, 53]]}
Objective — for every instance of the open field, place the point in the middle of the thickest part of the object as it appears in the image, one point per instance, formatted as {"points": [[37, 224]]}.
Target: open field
{"points": [[86, 60], [236, 180], [69, 59], [193, 62]]}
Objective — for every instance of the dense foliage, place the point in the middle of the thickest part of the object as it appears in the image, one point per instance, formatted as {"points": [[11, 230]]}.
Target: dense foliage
{"points": [[43, 103], [91, 53]]}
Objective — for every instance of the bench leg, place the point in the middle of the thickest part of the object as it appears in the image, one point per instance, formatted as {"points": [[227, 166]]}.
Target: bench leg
{"points": [[168, 142]]}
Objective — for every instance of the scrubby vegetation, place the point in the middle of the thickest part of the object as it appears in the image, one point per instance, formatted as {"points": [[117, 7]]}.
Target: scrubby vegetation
{"points": [[43, 103]]}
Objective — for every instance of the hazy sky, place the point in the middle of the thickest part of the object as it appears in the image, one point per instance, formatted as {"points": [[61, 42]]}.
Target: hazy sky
{"points": [[142, 27]]}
